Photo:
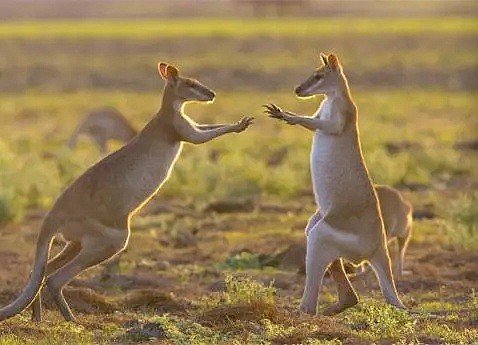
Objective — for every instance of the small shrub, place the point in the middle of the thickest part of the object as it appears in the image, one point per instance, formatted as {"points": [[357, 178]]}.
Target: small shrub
{"points": [[182, 331], [241, 289], [449, 335], [5, 210], [461, 227], [464, 211], [381, 322], [244, 300]]}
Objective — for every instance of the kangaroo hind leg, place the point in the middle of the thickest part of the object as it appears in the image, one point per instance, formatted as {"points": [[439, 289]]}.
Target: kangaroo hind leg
{"points": [[402, 243], [99, 243], [347, 297], [380, 263], [67, 254], [320, 254]]}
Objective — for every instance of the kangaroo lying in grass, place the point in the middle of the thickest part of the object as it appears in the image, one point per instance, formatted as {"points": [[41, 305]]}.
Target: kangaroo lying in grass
{"points": [[348, 225], [397, 219], [93, 214], [102, 125]]}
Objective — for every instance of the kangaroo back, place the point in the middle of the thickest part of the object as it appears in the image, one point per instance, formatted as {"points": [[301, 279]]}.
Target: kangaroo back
{"points": [[102, 125], [396, 211]]}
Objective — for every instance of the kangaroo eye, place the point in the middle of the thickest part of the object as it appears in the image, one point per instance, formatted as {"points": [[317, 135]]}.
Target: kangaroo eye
{"points": [[317, 76]]}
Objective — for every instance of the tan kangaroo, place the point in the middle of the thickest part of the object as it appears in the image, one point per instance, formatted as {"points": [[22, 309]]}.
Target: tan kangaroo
{"points": [[398, 222], [348, 225], [102, 125], [93, 214]]}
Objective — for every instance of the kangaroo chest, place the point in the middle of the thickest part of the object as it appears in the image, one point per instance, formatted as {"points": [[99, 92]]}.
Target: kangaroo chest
{"points": [[339, 177], [131, 177], [149, 169]]}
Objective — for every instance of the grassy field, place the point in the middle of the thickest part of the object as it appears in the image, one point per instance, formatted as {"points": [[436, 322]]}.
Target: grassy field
{"points": [[238, 28], [194, 274]]}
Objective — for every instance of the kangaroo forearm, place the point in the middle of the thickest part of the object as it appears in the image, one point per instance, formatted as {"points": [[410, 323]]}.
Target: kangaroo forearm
{"points": [[303, 120], [210, 126], [200, 136], [308, 122], [210, 134], [328, 126]]}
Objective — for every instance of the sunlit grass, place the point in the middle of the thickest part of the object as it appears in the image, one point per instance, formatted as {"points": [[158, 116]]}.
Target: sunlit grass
{"points": [[235, 28], [36, 126], [250, 312], [21, 330]]}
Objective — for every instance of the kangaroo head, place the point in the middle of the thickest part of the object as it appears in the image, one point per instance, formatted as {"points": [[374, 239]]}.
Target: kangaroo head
{"points": [[184, 89], [325, 79]]}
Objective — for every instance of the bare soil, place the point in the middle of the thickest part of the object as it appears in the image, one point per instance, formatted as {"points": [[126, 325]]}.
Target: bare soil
{"points": [[150, 272]]}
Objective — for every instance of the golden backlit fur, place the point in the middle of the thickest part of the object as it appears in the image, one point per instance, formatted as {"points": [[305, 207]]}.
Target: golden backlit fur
{"points": [[93, 213], [348, 224]]}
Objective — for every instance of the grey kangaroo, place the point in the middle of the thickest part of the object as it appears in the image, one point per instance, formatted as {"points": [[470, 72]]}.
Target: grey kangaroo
{"points": [[93, 214]]}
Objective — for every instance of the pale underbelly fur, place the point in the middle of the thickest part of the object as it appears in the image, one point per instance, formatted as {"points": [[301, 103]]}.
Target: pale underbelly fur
{"points": [[343, 191], [132, 178], [144, 179]]}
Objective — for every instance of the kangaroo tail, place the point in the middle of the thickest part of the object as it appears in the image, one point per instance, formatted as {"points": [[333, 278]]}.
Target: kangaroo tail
{"points": [[37, 276]]}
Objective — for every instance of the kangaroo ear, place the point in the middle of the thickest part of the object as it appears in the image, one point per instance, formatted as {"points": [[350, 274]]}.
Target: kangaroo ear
{"points": [[162, 70], [333, 62], [323, 57], [171, 72]]}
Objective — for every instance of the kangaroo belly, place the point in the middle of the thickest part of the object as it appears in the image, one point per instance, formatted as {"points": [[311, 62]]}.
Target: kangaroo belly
{"points": [[341, 184], [122, 182], [146, 175]]}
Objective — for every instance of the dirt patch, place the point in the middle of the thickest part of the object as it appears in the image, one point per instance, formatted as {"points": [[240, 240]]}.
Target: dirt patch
{"points": [[151, 299], [123, 282], [7, 296], [328, 328], [467, 145], [230, 206], [184, 238], [449, 257], [423, 214], [449, 268], [292, 257], [145, 331], [9, 269], [89, 301], [156, 207], [22, 332], [283, 209], [224, 315], [394, 147], [83, 300], [239, 317]]}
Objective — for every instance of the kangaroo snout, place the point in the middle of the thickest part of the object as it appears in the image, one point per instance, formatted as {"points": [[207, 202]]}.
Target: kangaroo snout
{"points": [[299, 91], [212, 95]]}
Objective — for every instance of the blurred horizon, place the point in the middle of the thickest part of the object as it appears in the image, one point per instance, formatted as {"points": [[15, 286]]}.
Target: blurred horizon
{"points": [[141, 9]]}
